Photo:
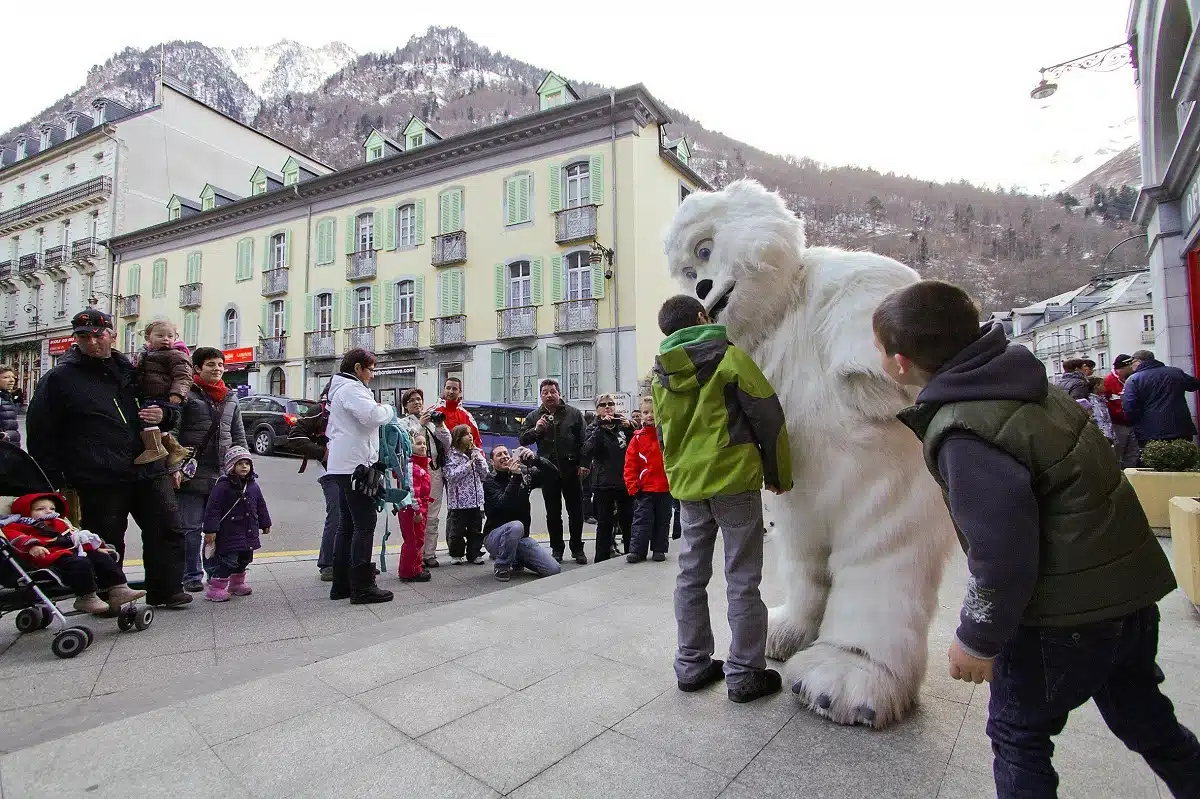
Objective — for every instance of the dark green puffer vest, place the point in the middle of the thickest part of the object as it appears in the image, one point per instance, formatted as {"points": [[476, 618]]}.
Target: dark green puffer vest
{"points": [[1098, 559]]}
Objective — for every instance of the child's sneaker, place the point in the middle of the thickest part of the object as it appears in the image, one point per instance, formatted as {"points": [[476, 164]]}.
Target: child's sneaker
{"points": [[457, 561], [757, 685], [477, 561], [238, 586], [711, 676], [217, 590], [90, 603]]}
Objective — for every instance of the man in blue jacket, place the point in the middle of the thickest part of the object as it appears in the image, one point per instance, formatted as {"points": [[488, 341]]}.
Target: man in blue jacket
{"points": [[1154, 401]]}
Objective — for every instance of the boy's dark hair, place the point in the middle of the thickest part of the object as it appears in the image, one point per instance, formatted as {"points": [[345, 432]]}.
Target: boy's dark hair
{"points": [[355, 357], [679, 312], [456, 380], [1096, 384], [1073, 364], [928, 322], [203, 355]]}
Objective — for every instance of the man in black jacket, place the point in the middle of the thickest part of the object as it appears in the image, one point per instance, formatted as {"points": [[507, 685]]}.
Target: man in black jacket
{"points": [[557, 429], [83, 427], [506, 503]]}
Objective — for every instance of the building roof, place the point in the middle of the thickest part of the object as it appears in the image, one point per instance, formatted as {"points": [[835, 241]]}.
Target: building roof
{"points": [[388, 140], [266, 173], [184, 201], [1104, 293], [425, 127], [552, 77], [219, 192]]}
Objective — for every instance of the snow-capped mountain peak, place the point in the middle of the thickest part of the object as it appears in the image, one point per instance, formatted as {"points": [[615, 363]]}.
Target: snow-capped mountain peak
{"points": [[273, 71]]}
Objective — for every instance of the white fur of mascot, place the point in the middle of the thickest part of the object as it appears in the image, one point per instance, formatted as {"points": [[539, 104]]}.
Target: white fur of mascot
{"points": [[864, 535]]}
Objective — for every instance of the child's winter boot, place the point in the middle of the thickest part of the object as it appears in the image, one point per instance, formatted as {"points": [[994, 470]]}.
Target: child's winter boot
{"points": [[238, 586], [120, 595], [176, 452], [154, 449], [217, 589], [90, 603]]}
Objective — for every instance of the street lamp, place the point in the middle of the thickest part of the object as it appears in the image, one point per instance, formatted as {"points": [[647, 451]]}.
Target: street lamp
{"points": [[1109, 59], [1058, 349], [600, 254], [35, 317]]}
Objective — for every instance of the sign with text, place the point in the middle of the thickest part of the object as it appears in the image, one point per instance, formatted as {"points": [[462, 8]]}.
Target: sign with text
{"points": [[60, 345], [242, 355]]}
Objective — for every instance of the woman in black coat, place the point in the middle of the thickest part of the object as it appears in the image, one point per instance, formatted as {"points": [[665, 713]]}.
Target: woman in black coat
{"points": [[604, 448], [9, 408]]}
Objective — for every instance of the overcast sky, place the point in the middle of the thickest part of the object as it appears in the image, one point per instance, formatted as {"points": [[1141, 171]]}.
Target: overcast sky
{"points": [[933, 88]]}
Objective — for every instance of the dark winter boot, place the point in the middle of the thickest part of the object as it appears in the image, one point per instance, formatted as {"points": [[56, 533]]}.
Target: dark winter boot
{"points": [[363, 590], [340, 589]]}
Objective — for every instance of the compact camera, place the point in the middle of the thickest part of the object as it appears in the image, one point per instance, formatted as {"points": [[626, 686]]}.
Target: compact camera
{"points": [[437, 417]]}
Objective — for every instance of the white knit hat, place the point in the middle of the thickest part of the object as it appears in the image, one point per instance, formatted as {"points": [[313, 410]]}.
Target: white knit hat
{"points": [[234, 455]]}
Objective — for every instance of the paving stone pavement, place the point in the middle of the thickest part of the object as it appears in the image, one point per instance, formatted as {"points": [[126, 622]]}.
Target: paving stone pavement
{"points": [[551, 688]]}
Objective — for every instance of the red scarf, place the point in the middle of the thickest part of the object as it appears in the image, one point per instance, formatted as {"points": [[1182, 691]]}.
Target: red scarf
{"points": [[215, 391]]}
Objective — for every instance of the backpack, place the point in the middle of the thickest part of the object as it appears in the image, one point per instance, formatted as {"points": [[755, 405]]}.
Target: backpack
{"points": [[307, 438]]}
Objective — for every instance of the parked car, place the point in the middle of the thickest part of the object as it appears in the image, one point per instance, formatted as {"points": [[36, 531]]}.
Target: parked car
{"points": [[269, 420]]}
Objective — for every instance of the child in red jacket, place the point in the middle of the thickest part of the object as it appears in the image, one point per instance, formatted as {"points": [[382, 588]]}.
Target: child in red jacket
{"points": [[39, 531], [413, 518], [646, 481]]}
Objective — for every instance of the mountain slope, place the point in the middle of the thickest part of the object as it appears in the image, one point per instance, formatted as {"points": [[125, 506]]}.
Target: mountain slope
{"points": [[1123, 169], [273, 71]]}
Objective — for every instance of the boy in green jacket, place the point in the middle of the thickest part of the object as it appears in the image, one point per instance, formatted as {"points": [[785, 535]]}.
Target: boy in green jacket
{"points": [[722, 433]]}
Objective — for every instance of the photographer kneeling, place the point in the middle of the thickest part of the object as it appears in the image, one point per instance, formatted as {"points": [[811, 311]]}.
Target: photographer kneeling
{"points": [[506, 503]]}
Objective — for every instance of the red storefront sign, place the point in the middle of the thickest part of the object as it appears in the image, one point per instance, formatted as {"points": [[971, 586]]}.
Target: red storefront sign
{"points": [[60, 345], [239, 356]]}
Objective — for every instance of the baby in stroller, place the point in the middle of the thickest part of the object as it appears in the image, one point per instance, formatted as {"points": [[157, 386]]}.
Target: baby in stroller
{"points": [[39, 531]]}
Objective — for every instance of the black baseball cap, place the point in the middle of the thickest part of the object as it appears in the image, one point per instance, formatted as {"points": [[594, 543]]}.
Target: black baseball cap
{"points": [[91, 320], [1121, 361]]}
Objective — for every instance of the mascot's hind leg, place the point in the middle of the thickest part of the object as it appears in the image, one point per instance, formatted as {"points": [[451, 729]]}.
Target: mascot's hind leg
{"points": [[801, 553]]}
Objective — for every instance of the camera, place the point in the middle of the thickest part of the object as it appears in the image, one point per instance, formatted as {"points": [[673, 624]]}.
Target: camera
{"points": [[437, 417]]}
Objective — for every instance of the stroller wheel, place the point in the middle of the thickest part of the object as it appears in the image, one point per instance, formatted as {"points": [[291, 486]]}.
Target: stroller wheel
{"points": [[87, 633], [125, 622], [47, 617], [29, 619], [144, 618], [69, 643]]}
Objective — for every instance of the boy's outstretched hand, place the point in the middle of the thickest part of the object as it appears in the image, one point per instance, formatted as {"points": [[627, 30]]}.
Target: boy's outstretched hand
{"points": [[774, 489], [968, 668]]}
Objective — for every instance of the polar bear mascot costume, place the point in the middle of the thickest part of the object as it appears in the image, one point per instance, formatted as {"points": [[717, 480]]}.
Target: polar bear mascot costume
{"points": [[863, 537]]}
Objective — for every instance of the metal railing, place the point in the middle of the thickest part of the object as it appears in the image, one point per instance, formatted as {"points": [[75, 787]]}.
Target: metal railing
{"points": [[518, 322], [575, 224], [29, 263], [445, 330], [275, 281], [272, 350], [402, 336], [59, 202], [55, 256], [1098, 340], [1147, 336], [449, 248], [321, 344], [361, 265], [130, 305], [6, 269], [360, 338], [576, 316], [84, 249], [190, 294]]}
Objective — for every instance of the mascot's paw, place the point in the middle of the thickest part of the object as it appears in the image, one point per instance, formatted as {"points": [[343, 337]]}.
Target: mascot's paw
{"points": [[848, 687], [786, 637]]}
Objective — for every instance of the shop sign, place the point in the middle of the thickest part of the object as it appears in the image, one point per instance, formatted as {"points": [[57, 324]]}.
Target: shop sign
{"points": [[1191, 201], [242, 355], [405, 371], [60, 345]]}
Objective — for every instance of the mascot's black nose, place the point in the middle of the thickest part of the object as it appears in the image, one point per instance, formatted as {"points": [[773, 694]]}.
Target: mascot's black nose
{"points": [[702, 288]]}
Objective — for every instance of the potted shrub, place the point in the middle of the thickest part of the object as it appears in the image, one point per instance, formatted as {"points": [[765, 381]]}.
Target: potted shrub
{"points": [[1170, 471]]}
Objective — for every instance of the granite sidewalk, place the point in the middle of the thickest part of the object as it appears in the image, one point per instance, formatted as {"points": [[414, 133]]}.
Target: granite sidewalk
{"points": [[557, 688]]}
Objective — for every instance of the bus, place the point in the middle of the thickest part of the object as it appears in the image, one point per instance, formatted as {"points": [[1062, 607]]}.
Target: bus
{"points": [[500, 423]]}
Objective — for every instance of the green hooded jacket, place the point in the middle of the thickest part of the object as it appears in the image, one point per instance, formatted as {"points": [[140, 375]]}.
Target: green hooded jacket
{"points": [[720, 424]]}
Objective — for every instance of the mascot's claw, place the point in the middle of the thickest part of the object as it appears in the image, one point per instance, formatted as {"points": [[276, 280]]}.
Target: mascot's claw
{"points": [[784, 637], [847, 686]]}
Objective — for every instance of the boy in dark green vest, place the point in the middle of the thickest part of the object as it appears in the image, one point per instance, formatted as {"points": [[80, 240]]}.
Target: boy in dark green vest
{"points": [[1065, 571]]}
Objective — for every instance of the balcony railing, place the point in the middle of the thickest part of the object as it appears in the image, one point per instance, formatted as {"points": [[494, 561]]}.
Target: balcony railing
{"points": [[1147, 336], [189, 295], [272, 350], [575, 224], [1098, 340], [6, 269], [519, 322], [275, 281], [130, 305], [29, 263], [449, 248], [361, 265], [70, 199], [85, 249], [575, 316], [55, 256], [360, 338], [447, 330], [402, 336], [322, 344]]}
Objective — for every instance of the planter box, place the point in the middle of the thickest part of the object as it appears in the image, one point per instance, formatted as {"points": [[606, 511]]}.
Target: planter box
{"points": [[1155, 489], [1185, 545]]}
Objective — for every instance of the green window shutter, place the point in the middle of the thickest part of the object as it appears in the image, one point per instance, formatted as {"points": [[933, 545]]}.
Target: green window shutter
{"points": [[597, 280], [266, 261], [266, 320], [374, 320], [523, 205], [325, 241], [443, 288], [351, 236], [377, 233], [596, 178], [420, 222], [287, 248], [309, 312], [348, 300], [159, 285], [456, 203], [556, 278], [245, 268], [135, 279], [554, 363], [389, 301], [498, 359], [535, 278], [287, 316], [419, 299], [498, 286], [193, 268], [511, 215], [444, 214], [335, 308], [389, 235], [456, 292], [554, 188]]}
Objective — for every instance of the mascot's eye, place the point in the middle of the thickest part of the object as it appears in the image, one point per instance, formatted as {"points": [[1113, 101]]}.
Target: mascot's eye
{"points": [[704, 249], [689, 273]]}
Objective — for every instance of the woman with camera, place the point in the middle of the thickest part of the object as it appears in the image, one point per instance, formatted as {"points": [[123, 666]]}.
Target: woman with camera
{"points": [[353, 431], [604, 448]]}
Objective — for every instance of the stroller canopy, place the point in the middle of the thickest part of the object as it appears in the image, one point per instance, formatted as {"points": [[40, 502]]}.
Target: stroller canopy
{"points": [[20, 473]]}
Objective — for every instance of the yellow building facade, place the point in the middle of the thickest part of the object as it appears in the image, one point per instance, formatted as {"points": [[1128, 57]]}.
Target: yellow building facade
{"points": [[526, 249]]}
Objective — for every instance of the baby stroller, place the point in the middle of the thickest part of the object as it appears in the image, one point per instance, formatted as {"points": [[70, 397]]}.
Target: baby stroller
{"points": [[32, 594]]}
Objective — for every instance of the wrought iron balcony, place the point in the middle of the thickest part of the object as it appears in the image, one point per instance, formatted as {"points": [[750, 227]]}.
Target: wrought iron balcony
{"points": [[6, 270], [322, 344], [1098, 340], [360, 338], [575, 224], [402, 336], [1147, 336], [275, 281], [575, 316], [130, 305], [29, 263], [361, 265], [55, 256], [189, 295], [449, 248], [89, 192], [85, 250], [519, 322], [447, 330], [272, 350]]}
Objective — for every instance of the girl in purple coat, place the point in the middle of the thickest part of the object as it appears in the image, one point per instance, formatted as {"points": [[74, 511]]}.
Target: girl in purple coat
{"points": [[236, 511]]}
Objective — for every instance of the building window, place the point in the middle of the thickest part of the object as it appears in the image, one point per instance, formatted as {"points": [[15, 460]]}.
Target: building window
{"points": [[450, 211], [94, 226], [1148, 323], [366, 232], [277, 384], [130, 337], [516, 199], [260, 187], [448, 370], [362, 306], [1099, 327], [158, 285], [325, 232], [324, 312], [580, 372], [416, 140], [41, 240], [275, 319], [229, 330], [684, 191], [520, 376], [520, 286], [175, 212], [65, 240], [208, 202], [279, 250], [1101, 360], [406, 226], [554, 98], [579, 187], [406, 298], [45, 139], [579, 276], [60, 298], [100, 113]]}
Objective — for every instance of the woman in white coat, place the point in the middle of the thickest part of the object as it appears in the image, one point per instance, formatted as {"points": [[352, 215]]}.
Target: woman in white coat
{"points": [[353, 430]]}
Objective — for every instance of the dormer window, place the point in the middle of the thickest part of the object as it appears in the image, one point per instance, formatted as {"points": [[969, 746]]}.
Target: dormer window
{"points": [[555, 91], [375, 153], [291, 176], [416, 140], [175, 212], [71, 126], [554, 98], [100, 114], [45, 139], [208, 203], [21, 149], [260, 186]]}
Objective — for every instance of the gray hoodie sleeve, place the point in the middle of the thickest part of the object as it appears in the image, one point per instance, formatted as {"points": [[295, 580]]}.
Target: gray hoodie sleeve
{"points": [[993, 504]]}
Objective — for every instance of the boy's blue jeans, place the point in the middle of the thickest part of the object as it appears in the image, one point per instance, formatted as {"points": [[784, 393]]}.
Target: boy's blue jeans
{"points": [[1044, 673]]}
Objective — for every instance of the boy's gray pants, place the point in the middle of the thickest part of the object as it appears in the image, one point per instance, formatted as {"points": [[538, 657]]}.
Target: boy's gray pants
{"points": [[739, 517]]}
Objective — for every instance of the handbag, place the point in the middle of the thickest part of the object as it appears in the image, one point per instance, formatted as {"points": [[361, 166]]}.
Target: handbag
{"points": [[189, 467]]}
